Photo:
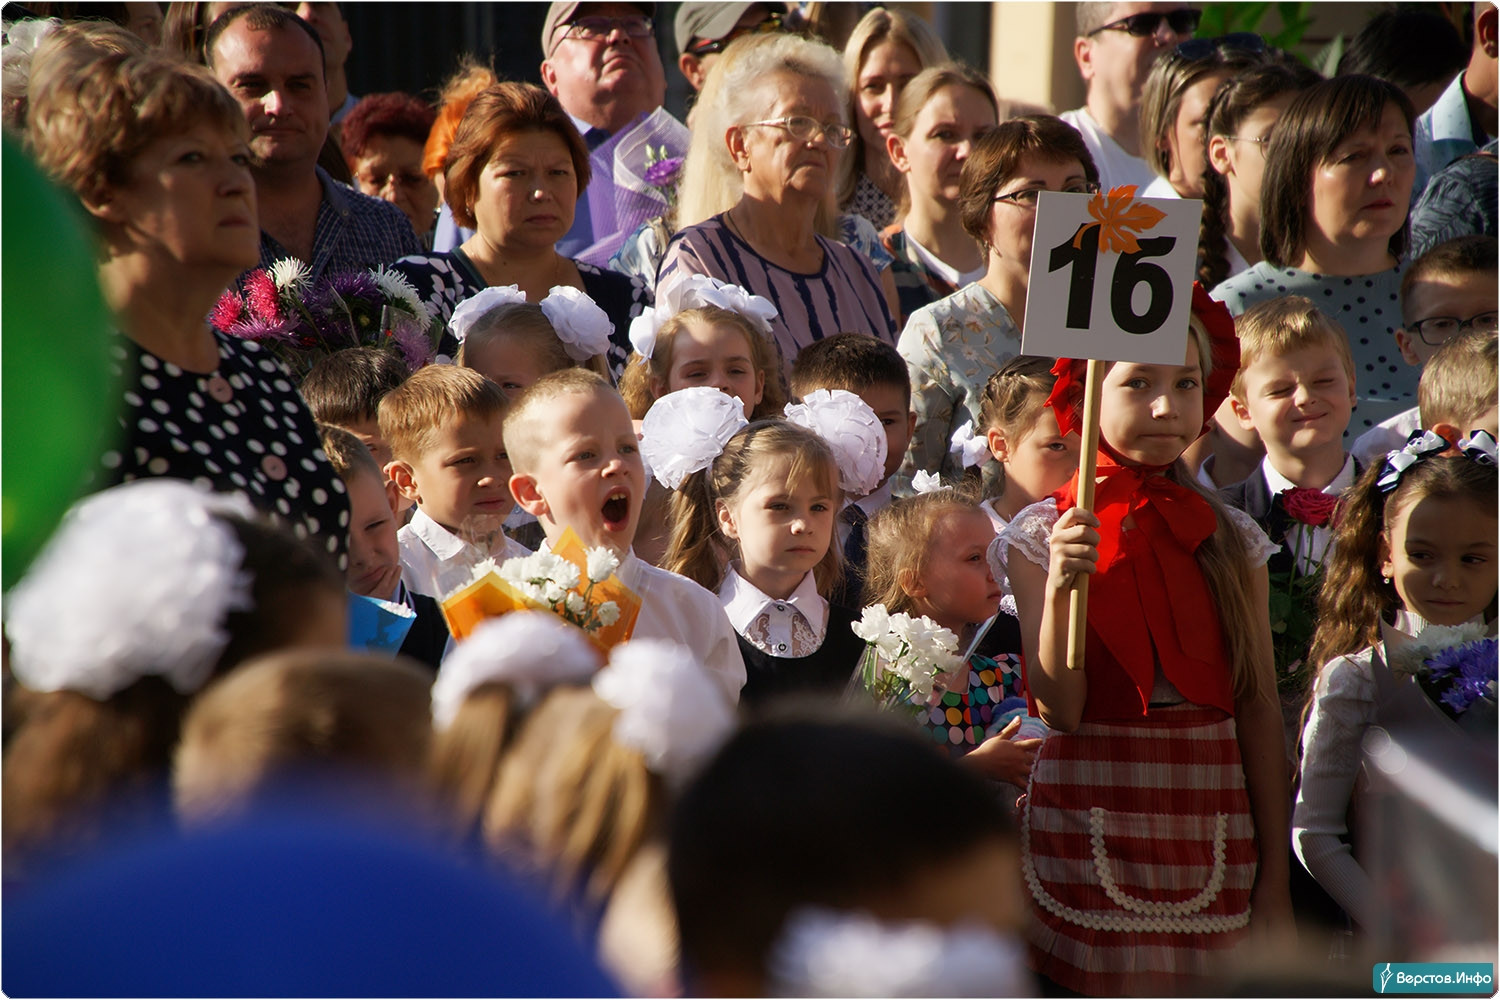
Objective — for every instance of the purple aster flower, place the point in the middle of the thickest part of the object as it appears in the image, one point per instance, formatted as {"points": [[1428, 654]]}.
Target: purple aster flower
{"points": [[358, 284], [1468, 673], [664, 172], [415, 349]]}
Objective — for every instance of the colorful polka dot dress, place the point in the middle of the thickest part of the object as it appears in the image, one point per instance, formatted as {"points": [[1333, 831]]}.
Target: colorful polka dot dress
{"points": [[961, 719], [242, 429]]}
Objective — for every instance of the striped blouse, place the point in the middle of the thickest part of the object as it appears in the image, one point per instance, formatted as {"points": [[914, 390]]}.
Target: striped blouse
{"points": [[843, 296]]}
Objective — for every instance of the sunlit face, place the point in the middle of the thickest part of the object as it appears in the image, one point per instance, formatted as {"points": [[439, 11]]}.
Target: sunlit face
{"points": [[588, 473], [783, 530], [190, 199], [1185, 138], [1440, 556], [1149, 414], [1117, 63], [461, 478], [374, 554], [1012, 223], [276, 75], [892, 407], [1362, 191], [1242, 157], [888, 68], [391, 169], [1038, 462], [616, 70], [509, 362], [717, 355], [1299, 402], [526, 194], [957, 588], [771, 160], [942, 135]]}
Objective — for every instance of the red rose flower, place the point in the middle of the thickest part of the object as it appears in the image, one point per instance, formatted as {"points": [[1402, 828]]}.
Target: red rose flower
{"points": [[1312, 507]]}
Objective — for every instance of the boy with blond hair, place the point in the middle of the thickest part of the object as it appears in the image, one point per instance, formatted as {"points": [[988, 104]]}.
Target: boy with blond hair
{"points": [[374, 552], [576, 464], [1450, 289], [443, 426], [1456, 395]]}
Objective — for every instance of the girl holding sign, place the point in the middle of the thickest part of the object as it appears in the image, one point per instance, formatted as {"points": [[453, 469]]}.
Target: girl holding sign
{"points": [[1155, 828]]}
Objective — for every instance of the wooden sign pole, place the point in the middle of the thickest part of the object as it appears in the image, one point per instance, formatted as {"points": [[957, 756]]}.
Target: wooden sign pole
{"points": [[1078, 599]]}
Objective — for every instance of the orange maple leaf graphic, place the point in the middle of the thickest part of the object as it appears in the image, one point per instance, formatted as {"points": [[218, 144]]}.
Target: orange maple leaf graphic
{"points": [[1117, 213]]}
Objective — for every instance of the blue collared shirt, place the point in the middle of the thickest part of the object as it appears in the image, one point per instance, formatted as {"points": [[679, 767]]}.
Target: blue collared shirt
{"points": [[1443, 133], [353, 231]]}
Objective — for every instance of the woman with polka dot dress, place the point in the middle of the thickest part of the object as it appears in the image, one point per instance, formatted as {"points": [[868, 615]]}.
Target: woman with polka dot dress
{"points": [[1333, 208], [158, 154]]}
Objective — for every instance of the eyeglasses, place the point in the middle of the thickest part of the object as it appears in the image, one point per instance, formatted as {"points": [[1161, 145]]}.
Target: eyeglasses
{"points": [[597, 29], [805, 129], [1182, 22], [709, 46], [1026, 197], [1438, 330], [1260, 141], [1195, 49]]}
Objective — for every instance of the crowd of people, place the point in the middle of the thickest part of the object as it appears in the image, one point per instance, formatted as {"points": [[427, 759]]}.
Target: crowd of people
{"points": [[784, 527]]}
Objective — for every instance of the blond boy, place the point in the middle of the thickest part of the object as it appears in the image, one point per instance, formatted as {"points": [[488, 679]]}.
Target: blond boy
{"points": [[576, 464], [1448, 290], [443, 426], [1295, 389], [1456, 395]]}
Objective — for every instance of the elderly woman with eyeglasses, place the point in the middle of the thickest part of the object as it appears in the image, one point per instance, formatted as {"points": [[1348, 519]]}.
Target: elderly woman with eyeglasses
{"points": [[783, 108], [953, 346]]}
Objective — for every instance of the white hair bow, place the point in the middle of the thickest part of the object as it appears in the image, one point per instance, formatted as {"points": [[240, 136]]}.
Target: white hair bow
{"points": [[529, 650], [694, 292], [684, 431], [581, 325], [467, 312], [926, 482], [1420, 445], [971, 448], [851, 429]]}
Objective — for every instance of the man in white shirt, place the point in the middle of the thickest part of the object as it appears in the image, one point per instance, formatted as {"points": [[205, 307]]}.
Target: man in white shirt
{"points": [[1115, 47]]}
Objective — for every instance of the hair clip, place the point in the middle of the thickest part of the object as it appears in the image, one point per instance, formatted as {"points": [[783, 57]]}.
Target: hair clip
{"points": [[971, 448], [851, 429], [529, 650], [467, 312], [926, 482], [137, 580], [1420, 445], [671, 710], [840, 953], [694, 292], [1479, 447], [581, 325], [684, 431]]}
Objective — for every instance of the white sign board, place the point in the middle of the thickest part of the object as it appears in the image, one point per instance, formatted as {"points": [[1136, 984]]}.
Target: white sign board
{"points": [[1111, 277]]}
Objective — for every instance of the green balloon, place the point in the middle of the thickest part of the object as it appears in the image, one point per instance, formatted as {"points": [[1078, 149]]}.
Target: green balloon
{"points": [[58, 395]]}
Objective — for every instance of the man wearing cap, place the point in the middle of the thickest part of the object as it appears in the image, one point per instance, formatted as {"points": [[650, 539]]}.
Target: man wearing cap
{"points": [[704, 29], [603, 67]]}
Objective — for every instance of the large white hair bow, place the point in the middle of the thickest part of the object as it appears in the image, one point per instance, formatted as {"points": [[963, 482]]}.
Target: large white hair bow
{"points": [[468, 312], [671, 710], [851, 429], [137, 580], [694, 292], [581, 325], [971, 448], [529, 650], [684, 431]]}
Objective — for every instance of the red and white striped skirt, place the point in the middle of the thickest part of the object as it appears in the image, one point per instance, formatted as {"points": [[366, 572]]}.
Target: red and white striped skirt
{"points": [[1138, 851]]}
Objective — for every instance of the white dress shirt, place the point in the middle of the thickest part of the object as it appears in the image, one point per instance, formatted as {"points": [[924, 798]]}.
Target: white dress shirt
{"points": [[791, 628], [436, 562]]}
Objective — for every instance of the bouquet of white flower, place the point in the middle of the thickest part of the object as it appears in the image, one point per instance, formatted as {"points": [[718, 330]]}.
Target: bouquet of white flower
{"points": [[904, 656], [552, 582]]}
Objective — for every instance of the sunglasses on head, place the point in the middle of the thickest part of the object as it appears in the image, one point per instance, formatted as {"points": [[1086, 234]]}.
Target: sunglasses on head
{"points": [[1195, 49], [1183, 22], [709, 46]]}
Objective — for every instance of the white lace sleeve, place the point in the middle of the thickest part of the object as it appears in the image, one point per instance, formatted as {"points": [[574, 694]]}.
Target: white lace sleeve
{"points": [[1030, 532], [1258, 546]]}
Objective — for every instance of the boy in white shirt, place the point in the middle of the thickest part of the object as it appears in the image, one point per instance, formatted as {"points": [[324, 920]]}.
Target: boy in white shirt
{"points": [[576, 464]]}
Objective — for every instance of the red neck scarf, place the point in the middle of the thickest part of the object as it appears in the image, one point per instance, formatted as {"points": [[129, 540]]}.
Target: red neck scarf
{"points": [[1149, 601]]}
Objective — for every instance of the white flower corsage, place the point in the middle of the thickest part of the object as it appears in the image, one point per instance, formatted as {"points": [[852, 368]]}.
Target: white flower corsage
{"points": [[694, 292], [671, 710], [467, 312], [971, 448], [581, 325], [136, 580], [904, 655], [529, 650], [926, 482], [851, 429], [832, 953], [684, 431]]}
